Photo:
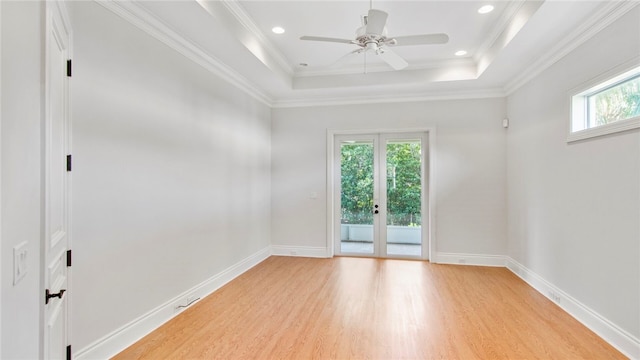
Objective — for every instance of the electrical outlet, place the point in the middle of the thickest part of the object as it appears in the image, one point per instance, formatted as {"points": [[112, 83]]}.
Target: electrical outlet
{"points": [[20, 268], [555, 297]]}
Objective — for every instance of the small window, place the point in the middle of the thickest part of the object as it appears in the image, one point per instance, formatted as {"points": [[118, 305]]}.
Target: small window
{"points": [[618, 102], [607, 107]]}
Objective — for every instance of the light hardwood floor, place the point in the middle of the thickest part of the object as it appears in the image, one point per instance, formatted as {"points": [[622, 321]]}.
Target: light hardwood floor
{"points": [[358, 308]]}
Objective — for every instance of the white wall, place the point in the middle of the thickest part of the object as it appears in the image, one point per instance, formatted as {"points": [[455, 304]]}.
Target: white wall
{"points": [[22, 56], [574, 209], [470, 170], [171, 173]]}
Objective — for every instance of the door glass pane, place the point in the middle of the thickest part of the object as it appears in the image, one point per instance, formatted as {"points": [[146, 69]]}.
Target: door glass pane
{"points": [[356, 198], [404, 218]]}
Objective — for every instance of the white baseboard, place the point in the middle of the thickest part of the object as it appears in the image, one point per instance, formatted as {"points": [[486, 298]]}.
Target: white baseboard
{"points": [[618, 338], [120, 339], [469, 259], [304, 251]]}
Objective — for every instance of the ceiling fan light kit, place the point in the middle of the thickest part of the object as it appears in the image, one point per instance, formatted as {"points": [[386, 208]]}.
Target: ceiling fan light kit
{"points": [[372, 37]]}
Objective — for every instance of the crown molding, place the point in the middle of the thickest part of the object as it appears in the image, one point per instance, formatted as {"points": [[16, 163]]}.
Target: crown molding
{"points": [[145, 21], [609, 12], [396, 98], [518, 20], [236, 9], [505, 19]]}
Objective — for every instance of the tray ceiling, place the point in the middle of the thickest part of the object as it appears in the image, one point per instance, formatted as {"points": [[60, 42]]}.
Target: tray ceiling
{"points": [[502, 47]]}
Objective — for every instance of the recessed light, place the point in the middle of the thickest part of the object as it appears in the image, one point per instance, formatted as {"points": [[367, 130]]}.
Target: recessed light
{"points": [[485, 9], [278, 30], [461, 53]]}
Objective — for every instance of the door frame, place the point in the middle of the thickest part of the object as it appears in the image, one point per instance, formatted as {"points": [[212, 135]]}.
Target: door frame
{"points": [[54, 8], [429, 196], [1, 243]]}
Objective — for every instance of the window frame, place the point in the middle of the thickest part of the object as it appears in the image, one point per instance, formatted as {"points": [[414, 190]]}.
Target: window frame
{"points": [[579, 103]]}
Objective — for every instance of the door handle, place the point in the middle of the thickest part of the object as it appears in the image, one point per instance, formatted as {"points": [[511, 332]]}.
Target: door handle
{"points": [[48, 295]]}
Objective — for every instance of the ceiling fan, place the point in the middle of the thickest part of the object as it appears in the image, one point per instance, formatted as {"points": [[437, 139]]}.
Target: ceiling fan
{"points": [[372, 37]]}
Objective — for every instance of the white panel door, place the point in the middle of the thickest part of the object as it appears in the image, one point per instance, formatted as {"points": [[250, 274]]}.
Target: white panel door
{"points": [[56, 189]]}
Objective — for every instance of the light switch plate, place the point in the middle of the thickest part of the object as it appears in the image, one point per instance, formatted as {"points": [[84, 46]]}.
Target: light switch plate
{"points": [[20, 253]]}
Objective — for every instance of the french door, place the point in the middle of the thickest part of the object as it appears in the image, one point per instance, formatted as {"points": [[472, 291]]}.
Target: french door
{"points": [[380, 195]]}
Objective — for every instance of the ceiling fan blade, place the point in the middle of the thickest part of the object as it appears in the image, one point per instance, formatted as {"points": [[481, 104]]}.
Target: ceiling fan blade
{"points": [[327, 39], [376, 20], [394, 60], [347, 56], [426, 39]]}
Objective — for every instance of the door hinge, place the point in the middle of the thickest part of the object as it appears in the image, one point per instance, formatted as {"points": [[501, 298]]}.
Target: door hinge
{"points": [[68, 258], [68, 352], [48, 295], [69, 68], [68, 162]]}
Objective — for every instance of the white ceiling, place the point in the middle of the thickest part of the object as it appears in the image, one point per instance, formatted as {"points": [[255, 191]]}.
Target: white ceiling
{"points": [[503, 46]]}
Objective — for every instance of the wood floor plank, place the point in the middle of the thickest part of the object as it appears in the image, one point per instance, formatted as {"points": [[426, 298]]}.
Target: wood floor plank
{"points": [[359, 308]]}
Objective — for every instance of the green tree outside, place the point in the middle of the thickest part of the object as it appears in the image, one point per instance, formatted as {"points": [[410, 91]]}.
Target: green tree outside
{"points": [[357, 183], [618, 103], [403, 183]]}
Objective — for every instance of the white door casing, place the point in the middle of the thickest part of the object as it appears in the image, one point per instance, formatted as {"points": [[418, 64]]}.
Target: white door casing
{"points": [[379, 139], [0, 172], [56, 236]]}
